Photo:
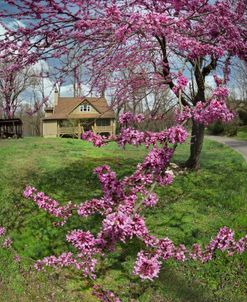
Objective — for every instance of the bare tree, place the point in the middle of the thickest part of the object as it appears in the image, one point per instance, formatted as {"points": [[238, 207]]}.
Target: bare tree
{"points": [[12, 84]]}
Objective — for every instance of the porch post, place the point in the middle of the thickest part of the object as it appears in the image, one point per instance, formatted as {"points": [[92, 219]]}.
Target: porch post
{"points": [[113, 126], [94, 127], [79, 129], [58, 128]]}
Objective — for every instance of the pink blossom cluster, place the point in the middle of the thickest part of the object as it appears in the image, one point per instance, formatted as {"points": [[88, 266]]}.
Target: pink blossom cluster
{"points": [[111, 186], [150, 200], [181, 83], [117, 226], [153, 169], [65, 259], [183, 115], [84, 263], [214, 110], [83, 241], [130, 136], [102, 206], [7, 241], [2, 231], [221, 92], [148, 264], [157, 161], [48, 204], [87, 247], [176, 134], [96, 139], [128, 118], [121, 226]]}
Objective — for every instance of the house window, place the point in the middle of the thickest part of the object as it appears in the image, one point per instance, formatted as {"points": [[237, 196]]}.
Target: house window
{"points": [[85, 108], [103, 122]]}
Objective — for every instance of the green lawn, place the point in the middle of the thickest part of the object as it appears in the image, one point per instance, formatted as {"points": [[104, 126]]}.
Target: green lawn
{"points": [[242, 133], [191, 210]]}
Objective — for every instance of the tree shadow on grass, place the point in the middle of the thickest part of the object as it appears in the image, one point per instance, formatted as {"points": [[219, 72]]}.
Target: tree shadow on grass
{"points": [[177, 284], [74, 182], [171, 282]]}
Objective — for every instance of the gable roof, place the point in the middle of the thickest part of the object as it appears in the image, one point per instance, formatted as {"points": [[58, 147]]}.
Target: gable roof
{"points": [[67, 104]]}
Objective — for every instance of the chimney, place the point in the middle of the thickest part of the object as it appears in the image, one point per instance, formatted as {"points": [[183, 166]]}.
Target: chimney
{"points": [[56, 94]]}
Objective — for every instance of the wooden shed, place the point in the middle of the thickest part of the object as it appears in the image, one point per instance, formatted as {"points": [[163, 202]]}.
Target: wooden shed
{"points": [[10, 128]]}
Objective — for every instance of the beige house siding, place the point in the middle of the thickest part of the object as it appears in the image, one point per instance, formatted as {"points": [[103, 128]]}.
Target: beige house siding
{"points": [[78, 111], [50, 128], [66, 117]]}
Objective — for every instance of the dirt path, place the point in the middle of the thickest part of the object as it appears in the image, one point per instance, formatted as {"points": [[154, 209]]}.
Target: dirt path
{"points": [[239, 146]]}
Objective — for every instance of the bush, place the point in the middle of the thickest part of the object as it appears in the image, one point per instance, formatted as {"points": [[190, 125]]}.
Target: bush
{"points": [[216, 128], [242, 116], [229, 129]]}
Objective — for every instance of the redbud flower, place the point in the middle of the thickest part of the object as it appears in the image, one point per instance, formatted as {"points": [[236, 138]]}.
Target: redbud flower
{"points": [[147, 266], [2, 231], [7, 243]]}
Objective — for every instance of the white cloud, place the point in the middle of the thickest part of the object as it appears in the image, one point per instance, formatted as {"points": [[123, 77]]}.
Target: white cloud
{"points": [[210, 83], [41, 65], [68, 90]]}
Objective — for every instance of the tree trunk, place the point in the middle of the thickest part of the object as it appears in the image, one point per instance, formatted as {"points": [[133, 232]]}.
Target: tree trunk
{"points": [[197, 136]]}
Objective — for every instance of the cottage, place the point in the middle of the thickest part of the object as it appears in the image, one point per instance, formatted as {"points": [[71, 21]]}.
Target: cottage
{"points": [[71, 116]]}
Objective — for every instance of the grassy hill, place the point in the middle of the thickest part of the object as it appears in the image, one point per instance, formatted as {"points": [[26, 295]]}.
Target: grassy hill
{"points": [[191, 210]]}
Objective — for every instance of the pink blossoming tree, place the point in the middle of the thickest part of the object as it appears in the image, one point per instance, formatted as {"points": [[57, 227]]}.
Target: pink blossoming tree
{"points": [[112, 36]]}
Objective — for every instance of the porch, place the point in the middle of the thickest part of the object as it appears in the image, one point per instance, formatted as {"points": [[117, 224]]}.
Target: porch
{"points": [[76, 128], [69, 131]]}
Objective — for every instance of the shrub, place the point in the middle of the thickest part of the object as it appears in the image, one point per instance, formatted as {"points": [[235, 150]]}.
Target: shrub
{"points": [[242, 116], [216, 128], [231, 129]]}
